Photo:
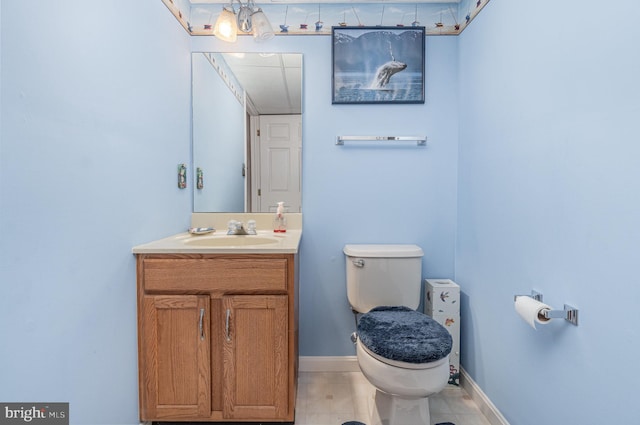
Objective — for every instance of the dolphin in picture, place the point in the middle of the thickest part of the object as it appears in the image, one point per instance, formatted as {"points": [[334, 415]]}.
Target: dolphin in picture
{"points": [[385, 72]]}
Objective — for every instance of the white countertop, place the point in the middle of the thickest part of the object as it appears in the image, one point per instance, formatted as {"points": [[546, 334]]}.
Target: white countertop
{"points": [[218, 242], [186, 243]]}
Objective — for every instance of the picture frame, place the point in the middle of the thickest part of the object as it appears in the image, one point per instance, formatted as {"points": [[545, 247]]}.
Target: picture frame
{"points": [[378, 65]]}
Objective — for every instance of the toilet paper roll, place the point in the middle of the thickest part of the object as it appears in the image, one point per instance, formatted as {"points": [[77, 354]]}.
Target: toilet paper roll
{"points": [[531, 310]]}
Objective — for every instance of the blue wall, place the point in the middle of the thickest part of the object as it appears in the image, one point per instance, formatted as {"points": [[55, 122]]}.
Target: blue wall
{"points": [[549, 200], [95, 112]]}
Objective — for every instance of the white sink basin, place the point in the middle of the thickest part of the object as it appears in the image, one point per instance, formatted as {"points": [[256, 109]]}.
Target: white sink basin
{"points": [[265, 242], [231, 240]]}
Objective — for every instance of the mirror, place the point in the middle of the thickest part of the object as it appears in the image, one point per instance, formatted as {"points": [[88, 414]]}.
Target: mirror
{"points": [[247, 131]]}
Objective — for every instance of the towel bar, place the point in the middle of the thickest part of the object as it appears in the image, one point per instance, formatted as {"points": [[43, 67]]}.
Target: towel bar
{"points": [[420, 140]]}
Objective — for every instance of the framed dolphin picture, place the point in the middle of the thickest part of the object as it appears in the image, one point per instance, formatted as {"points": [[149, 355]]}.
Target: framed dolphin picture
{"points": [[378, 64]]}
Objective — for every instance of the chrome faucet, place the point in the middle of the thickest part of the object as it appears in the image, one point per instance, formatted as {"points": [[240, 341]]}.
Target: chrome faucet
{"points": [[235, 227]]}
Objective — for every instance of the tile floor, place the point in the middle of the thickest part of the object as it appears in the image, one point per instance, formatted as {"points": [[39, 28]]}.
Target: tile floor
{"points": [[332, 398]]}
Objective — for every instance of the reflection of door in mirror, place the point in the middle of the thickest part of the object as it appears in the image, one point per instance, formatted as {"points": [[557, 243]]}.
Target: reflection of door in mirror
{"points": [[236, 96], [279, 148]]}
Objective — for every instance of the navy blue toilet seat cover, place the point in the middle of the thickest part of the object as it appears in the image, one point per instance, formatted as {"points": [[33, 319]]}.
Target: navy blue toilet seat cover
{"points": [[405, 335]]}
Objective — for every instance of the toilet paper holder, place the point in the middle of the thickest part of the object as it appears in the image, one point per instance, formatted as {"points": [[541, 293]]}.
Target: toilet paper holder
{"points": [[569, 313]]}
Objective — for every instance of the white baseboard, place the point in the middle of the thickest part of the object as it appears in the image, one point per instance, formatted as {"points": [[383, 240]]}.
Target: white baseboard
{"points": [[328, 364], [489, 410]]}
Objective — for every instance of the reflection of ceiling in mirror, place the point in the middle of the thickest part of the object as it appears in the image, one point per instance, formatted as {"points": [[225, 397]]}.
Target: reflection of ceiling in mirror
{"points": [[439, 17], [273, 81]]}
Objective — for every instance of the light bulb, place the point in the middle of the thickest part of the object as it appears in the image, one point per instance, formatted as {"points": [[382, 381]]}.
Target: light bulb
{"points": [[226, 28]]}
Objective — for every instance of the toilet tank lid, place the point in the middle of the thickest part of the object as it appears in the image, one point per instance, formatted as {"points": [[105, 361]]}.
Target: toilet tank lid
{"points": [[383, 250]]}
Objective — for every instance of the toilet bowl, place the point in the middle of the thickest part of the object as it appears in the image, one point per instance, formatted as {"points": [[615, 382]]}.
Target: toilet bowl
{"points": [[406, 380], [403, 353], [402, 394]]}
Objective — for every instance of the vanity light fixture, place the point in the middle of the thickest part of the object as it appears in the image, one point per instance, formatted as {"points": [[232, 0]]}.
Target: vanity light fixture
{"points": [[248, 19]]}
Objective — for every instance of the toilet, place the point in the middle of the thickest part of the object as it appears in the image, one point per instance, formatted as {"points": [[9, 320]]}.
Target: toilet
{"points": [[403, 353]]}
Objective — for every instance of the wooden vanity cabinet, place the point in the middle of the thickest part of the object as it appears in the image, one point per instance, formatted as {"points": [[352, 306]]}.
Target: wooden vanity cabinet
{"points": [[217, 337]]}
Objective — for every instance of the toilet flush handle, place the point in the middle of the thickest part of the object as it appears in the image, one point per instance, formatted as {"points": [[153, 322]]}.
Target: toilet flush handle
{"points": [[359, 262]]}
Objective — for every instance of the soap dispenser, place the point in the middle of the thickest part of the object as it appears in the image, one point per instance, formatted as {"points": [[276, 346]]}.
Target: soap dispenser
{"points": [[280, 221]]}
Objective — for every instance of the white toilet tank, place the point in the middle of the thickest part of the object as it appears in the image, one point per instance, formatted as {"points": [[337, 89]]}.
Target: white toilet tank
{"points": [[383, 275]]}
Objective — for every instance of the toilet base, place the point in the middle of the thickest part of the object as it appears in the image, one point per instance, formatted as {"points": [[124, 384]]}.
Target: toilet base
{"points": [[393, 410]]}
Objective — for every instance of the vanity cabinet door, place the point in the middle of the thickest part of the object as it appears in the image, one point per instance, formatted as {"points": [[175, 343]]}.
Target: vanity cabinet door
{"points": [[255, 357], [175, 351]]}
